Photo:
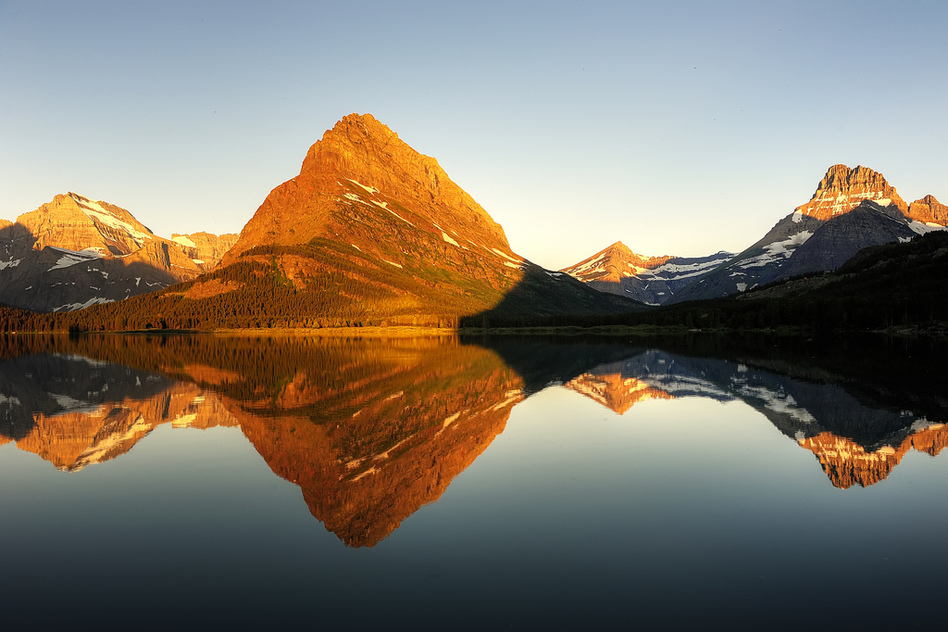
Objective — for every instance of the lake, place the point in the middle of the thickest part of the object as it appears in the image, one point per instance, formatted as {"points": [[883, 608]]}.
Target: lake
{"points": [[471, 483]]}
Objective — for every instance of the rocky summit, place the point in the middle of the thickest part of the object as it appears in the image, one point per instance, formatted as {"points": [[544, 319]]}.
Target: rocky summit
{"points": [[73, 252], [842, 189], [650, 280], [363, 182], [929, 211], [850, 210]]}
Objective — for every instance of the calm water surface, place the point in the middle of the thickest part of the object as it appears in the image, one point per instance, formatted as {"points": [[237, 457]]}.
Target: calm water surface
{"points": [[188, 482]]}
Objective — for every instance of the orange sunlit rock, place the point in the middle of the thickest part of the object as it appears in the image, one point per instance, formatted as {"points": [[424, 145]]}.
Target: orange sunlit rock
{"points": [[614, 391], [846, 463], [74, 440], [842, 189]]}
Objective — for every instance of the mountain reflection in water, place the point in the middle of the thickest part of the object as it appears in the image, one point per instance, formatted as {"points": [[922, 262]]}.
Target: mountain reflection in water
{"points": [[371, 430]]}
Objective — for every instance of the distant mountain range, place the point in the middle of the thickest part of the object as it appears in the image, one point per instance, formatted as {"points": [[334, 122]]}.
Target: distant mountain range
{"points": [[74, 252], [651, 280], [369, 233], [851, 209], [372, 232]]}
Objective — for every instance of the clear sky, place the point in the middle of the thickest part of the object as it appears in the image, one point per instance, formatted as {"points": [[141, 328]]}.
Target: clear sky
{"points": [[676, 127]]}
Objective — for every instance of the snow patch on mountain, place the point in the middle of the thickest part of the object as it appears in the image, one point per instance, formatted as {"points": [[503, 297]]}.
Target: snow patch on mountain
{"points": [[924, 228], [97, 212], [71, 258], [448, 239], [369, 190], [777, 251], [95, 300]]}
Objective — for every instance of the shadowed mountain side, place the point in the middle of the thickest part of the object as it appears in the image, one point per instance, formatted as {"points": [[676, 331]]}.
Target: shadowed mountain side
{"points": [[541, 362], [549, 298], [894, 286]]}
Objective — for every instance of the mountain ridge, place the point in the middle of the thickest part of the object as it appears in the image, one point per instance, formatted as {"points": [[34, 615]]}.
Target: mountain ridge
{"points": [[780, 253], [73, 252], [819, 235], [370, 232]]}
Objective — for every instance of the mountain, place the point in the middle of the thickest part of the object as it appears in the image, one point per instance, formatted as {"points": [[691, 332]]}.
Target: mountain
{"points": [[650, 280], [842, 189], [929, 210], [823, 233], [205, 249], [836, 241], [369, 232], [73, 252]]}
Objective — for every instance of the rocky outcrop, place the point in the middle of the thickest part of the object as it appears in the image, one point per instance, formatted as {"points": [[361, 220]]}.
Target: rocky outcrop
{"points": [[842, 189], [205, 249], [929, 210]]}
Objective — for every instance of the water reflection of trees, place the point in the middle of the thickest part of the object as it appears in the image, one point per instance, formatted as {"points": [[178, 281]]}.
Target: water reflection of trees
{"points": [[370, 430], [373, 429]]}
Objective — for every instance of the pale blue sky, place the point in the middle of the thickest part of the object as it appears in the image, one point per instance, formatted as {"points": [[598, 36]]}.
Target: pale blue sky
{"points": [[676, 127]]}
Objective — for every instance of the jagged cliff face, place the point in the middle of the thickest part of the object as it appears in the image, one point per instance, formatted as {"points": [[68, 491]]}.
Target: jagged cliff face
{"points": [[929, 210], [73, 222], [842, 189], [73, 252], [205, 249]]}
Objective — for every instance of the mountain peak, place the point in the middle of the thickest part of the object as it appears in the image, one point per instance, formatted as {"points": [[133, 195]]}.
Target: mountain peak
{"points": [[361, 160], [612, 264], [929, 210], [842, 189]]}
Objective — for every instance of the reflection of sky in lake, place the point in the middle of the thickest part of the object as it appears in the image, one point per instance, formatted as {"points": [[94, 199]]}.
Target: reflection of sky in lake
{"points": [[679, 511]]}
